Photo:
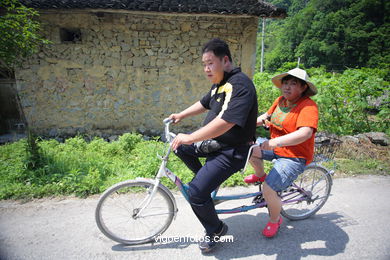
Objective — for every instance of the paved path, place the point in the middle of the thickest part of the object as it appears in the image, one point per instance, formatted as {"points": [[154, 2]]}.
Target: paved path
{"points": [[354, 224]]}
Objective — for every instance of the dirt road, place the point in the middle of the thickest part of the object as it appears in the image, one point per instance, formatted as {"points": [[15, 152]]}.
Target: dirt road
{"points": [[354, 224]]}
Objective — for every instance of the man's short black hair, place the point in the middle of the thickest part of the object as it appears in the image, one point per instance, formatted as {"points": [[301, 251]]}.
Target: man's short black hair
{"points": [[219, 47]]}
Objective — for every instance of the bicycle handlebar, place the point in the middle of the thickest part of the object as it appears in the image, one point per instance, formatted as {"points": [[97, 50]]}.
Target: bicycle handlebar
{"points": [[168, 135], [260, 141], [168, 120]]}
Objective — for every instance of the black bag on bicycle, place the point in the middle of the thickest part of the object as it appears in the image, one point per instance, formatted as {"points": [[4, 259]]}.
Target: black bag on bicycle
{"points": [[208, 146]]}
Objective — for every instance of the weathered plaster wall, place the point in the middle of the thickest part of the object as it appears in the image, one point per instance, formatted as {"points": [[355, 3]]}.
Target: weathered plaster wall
{"points": [[128, 72]]}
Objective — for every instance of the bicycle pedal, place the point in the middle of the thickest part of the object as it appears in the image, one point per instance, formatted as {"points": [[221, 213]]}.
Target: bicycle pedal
{"points": [[290, 189], [258, 199]]}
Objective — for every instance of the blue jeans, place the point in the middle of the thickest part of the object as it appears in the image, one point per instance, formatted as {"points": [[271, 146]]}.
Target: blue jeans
{"points": [[219, 166], [285, 170]]}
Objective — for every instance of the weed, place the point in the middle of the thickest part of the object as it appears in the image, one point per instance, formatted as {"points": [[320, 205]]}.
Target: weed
{"points": [[37, 168]]}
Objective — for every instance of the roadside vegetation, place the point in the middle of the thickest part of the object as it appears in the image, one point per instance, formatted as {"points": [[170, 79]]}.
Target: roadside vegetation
{"points": [[82, 168], [50, 168], [84, 165], [351, 33], [354, 101]]}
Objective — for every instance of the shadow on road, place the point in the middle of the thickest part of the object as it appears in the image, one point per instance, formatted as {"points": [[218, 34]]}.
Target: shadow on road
{"points": [[320, 235]]}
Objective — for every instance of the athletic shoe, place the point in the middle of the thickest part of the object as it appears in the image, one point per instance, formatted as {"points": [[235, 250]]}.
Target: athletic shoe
{"points": [[210, 241]]}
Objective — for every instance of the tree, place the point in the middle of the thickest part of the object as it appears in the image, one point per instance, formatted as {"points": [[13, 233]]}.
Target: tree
{"points": [[338, 34], [19, 34]]}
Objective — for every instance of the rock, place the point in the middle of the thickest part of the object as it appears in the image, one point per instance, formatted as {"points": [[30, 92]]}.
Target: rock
{"points": [[326, 138], [113, 138], [363, 138], [60, 139], [367, 138], [351, 139], [378, 138], [53, 132]]}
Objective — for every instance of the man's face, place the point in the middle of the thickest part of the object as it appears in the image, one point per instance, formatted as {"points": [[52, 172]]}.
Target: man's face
{"points": [[213, 67]]}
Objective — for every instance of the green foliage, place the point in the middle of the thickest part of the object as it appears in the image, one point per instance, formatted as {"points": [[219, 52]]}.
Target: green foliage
{"points": [[266, 91], [32, 150], [128, 141], [79, 167], [19, 32], [362, 167], [344, 99], [82, 168], [337, 34]]}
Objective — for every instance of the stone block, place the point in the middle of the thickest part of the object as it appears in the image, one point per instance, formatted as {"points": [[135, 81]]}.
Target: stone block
{"points": [[122, 70], [186, 27]]}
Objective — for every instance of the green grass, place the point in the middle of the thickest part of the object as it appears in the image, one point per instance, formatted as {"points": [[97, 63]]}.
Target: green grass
{"points": [[81, 168], [351, 167], [364, 158]]}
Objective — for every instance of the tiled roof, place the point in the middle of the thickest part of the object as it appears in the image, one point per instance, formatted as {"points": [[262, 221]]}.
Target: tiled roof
{"points": [[228, 7]]}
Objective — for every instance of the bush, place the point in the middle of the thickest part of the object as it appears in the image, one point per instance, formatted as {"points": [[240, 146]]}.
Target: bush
{"points": [[355, 101], [81, 168], [78, 167], [35, 168]]}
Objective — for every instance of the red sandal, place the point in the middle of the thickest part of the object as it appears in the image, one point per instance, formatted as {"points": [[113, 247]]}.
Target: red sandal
{"points": [[253, 178], [271, 229]]}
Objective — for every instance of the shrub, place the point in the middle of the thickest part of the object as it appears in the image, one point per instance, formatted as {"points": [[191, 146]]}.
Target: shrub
{"points": [[344, 100]]}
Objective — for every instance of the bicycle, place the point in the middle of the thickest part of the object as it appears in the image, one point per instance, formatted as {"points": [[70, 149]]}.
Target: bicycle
{"points": [[147, 207]]}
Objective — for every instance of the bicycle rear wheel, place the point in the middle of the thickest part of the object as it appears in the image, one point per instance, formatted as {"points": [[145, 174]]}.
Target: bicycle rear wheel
{"points": [[117, 211], [316, 183]]}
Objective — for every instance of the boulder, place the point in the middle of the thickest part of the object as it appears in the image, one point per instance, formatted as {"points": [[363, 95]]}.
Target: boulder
{"points": [[378, 138]]}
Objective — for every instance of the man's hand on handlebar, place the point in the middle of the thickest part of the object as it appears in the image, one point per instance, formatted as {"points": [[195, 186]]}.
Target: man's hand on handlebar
{"points": [[176, 118], [181, 139]]}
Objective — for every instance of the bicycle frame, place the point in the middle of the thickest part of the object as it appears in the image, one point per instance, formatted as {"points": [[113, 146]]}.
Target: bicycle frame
{"points": [[183, 188], [146, 207]]}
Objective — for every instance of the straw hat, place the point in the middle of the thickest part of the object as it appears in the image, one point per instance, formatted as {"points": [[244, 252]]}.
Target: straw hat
{"points": [[298, 73]]}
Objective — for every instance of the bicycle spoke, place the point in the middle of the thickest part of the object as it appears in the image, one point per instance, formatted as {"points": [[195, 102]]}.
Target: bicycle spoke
{"points": [[314, 184], [117, 210]]}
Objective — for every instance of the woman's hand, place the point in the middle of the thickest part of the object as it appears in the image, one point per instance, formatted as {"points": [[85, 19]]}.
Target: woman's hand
{"points": [[294, 138], [263, 120], [269, 145]]}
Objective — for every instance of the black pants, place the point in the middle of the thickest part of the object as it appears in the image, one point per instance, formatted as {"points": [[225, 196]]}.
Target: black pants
{"points": [[219, 166]]}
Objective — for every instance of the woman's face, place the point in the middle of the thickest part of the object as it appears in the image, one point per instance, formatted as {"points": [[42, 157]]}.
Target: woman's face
{"points": [[292, 89]]}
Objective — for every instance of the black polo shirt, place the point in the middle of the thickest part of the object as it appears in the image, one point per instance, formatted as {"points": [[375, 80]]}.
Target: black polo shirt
{"points": [[233, 100]]}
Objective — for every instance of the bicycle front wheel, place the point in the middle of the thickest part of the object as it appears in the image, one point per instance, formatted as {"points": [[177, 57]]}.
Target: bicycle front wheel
{"points": [[316, 184], [125, 214]]}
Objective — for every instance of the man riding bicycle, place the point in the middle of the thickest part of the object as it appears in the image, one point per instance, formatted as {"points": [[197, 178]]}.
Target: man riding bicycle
{"points": [[225, 138]]}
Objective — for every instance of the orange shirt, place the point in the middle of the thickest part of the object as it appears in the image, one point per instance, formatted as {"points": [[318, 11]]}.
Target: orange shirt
{"points": [[285, 120]]}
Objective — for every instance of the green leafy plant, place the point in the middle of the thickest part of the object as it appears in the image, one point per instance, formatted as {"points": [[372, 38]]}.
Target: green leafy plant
{"points": [[332, 33], [19, 33], [345, 100]]}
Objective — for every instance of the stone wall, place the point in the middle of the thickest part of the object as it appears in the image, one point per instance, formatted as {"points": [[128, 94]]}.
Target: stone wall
{"points": [[128, 71]]}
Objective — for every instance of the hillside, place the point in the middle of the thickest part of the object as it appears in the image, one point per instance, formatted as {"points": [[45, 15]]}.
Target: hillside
{"points": [[337, 34]]}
